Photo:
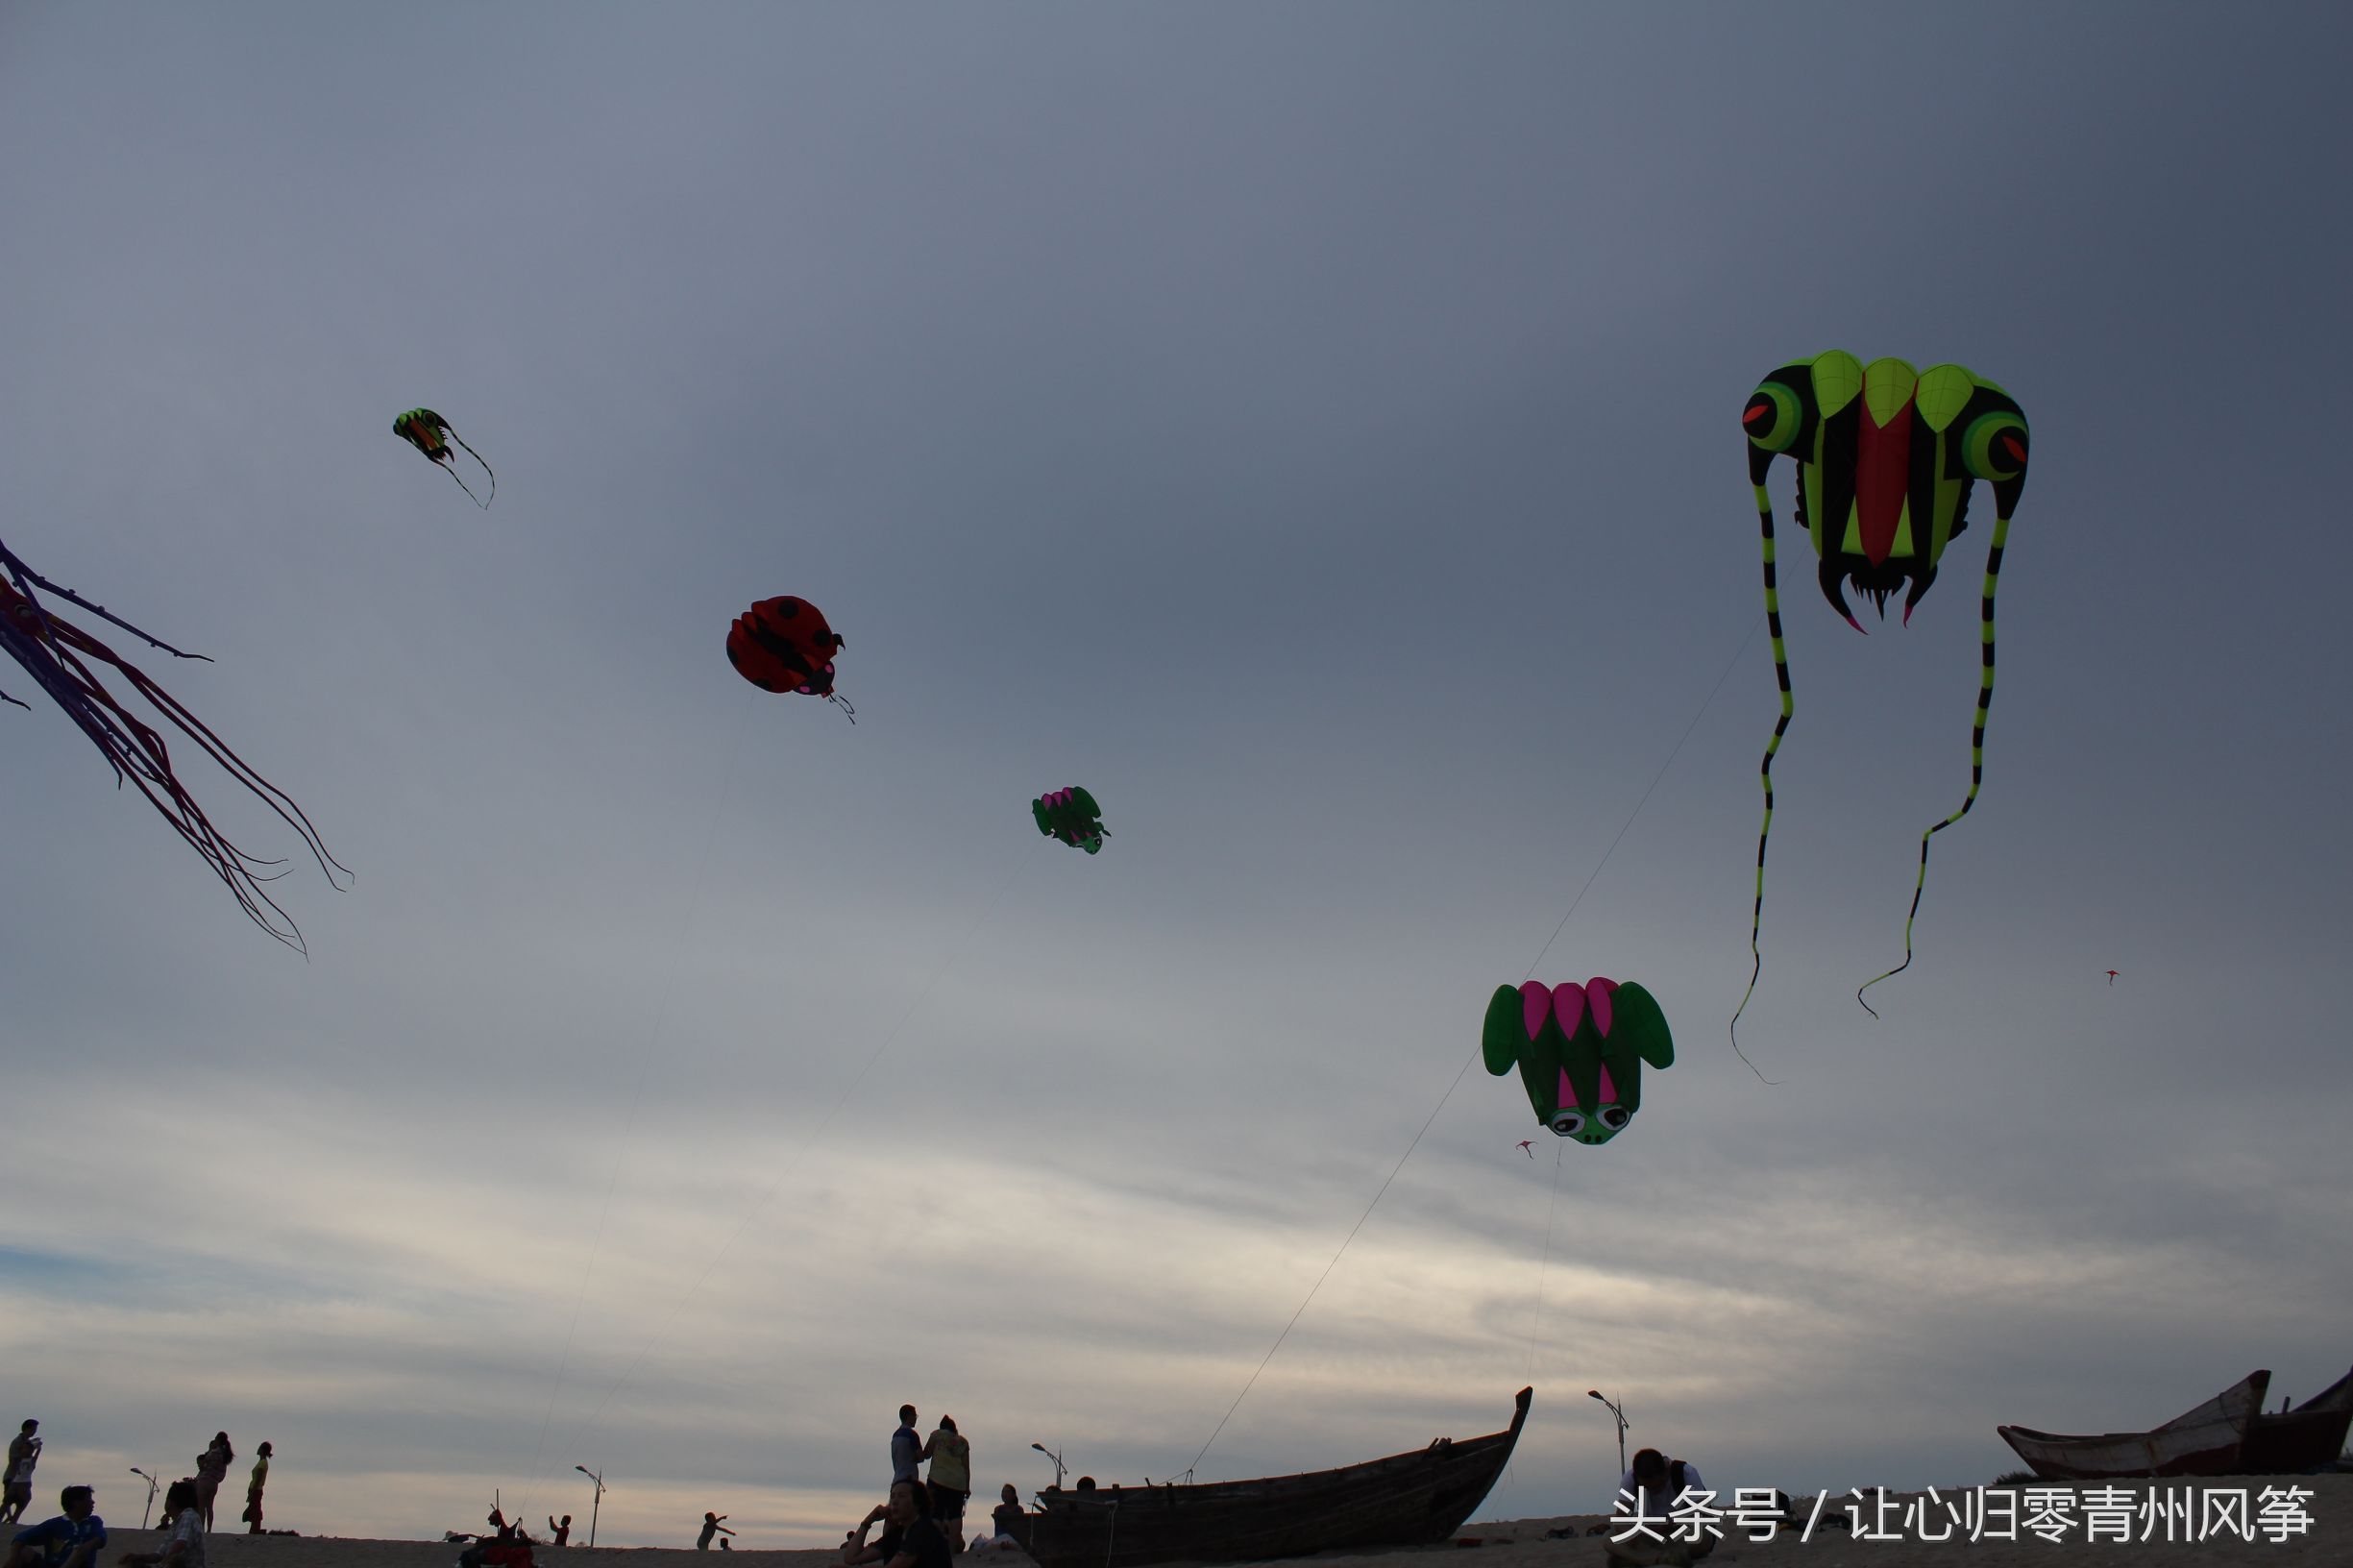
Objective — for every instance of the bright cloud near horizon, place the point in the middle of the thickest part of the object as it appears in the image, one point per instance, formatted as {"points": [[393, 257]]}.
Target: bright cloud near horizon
{"points": [[1314, 428]]}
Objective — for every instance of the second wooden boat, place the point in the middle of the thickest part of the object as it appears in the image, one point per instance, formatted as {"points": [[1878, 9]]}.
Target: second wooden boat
{"points": [[2206, 1442], [2300, 1441]]}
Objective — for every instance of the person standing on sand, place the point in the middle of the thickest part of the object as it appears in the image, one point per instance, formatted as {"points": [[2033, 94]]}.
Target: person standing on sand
{"points": [[253, 1489], [561, 1530], [906, 1448], [713, 1524], [211, 1469], [17, 1487], [951, 1480]]}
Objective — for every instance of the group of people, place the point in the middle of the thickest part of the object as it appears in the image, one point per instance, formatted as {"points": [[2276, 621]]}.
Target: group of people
{"points": [[212, 1469], [75, 1536], [924, 1518]]}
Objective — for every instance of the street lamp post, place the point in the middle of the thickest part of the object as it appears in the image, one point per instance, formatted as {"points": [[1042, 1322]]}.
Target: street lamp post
{"points": [[595, 1503], [1623, 1424], [1059, 1466], [151, 1494]]}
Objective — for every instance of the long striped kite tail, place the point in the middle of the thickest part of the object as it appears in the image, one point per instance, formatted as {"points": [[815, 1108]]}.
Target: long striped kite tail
{"points": [[1764, 772], [1977, 753]]}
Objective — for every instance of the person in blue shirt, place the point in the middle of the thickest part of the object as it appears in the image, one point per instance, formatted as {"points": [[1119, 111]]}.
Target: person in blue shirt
{"points": [[71, 1540], [906, 1448]]}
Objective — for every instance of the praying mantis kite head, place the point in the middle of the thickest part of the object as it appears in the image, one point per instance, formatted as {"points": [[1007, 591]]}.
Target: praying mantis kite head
{"points": [[1886, 458], [1580, 1051]]}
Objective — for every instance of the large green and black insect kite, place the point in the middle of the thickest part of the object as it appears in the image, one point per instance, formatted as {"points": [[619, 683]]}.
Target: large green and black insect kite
{"points": [[1886, 458], [1580, 1051], [431, 434]]}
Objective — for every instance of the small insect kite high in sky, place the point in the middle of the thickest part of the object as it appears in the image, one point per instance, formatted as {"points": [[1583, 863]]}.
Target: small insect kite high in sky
{"points": [[1071, 815], [431, 434], [1886, 458]]}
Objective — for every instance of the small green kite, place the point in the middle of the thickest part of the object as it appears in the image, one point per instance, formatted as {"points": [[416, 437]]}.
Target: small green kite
{"points": [[431, 434], [1071, 815], [1580, 1051]]}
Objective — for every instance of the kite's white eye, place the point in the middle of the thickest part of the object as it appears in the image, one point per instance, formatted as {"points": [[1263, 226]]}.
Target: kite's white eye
{"points": [[1615, 1117], [1568, 1123]]}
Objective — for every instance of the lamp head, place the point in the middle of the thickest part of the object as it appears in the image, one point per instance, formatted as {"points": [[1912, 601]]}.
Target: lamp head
{"points": [[1595, 1393], [1040, 1446]]}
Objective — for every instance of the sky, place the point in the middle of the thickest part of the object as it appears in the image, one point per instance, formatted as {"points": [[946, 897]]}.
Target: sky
{"points": [[1313, 429]]}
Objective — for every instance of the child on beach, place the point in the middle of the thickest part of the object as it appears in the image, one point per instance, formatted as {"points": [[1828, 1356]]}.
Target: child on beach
{"points": [[711, 1526], [183, 1542], [17, 1485]]}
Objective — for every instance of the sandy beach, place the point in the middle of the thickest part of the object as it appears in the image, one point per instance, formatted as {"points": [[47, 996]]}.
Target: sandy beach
{"points": [[1525, 1543]]}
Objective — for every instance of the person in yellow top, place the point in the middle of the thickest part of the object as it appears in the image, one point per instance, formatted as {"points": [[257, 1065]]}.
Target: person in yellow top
{"points": [[253, 1489], [951, 1479]]}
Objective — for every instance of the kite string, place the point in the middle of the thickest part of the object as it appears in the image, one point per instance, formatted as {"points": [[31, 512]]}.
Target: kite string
{"points": [[1535, 1316], [1708, 702], [644, 1059], [753, 1210], [1474, 1054], [1335, 1258]]}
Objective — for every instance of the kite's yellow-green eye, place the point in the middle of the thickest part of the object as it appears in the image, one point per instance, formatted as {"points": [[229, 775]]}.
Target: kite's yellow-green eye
{"points": [[1995, 446], [1886, 459], [1775, 416]]}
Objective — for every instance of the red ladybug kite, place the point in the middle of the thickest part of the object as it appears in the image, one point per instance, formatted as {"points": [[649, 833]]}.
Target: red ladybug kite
{"points": [[784, 644]]}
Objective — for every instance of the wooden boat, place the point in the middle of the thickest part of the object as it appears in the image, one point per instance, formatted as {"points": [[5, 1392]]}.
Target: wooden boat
{"points": [[1412, 1498], [2205, 1441], [2300, 1441]]}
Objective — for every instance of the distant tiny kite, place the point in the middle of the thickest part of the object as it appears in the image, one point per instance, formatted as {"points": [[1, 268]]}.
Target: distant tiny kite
{"points": [[1529, 1145], [431, 434], [2112, 977]]}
